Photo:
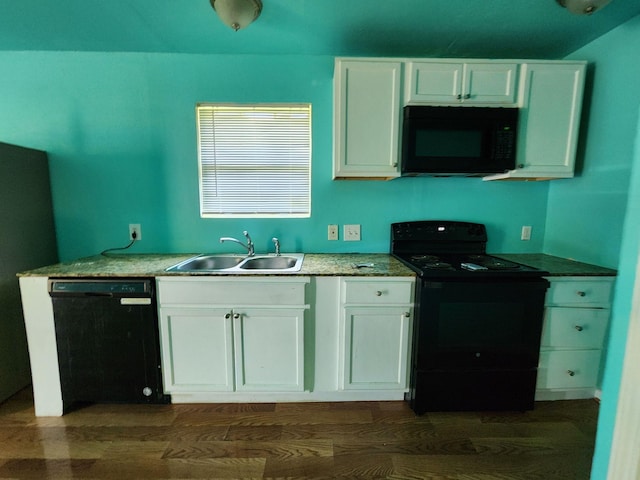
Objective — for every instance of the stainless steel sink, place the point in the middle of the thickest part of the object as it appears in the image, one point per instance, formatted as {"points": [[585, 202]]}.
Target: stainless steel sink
{"points": [[270, 263], [236, 264], [207, 262]]}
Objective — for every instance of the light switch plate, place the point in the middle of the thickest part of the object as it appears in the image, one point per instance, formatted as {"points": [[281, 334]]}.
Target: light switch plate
{"points": [[351, 233]]}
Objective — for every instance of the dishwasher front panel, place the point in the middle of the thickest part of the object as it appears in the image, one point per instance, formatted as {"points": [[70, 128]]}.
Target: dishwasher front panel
{"points": [[108, 341]]}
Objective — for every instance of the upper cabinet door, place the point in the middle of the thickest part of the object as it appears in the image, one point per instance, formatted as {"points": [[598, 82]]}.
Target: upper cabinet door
{"points": [[549, 121], [490, 83], [450, 83], [367, 112], [434, 82]]}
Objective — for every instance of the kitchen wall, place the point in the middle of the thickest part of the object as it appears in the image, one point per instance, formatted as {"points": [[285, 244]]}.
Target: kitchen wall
{"points": [[595, 217], [120, 133]]}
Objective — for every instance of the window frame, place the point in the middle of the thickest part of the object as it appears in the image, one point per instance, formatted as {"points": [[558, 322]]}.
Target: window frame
{"points": [[304, 168]]}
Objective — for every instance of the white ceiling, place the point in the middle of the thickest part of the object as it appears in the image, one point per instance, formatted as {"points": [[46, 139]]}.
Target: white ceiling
{"points": [[430, 28]]}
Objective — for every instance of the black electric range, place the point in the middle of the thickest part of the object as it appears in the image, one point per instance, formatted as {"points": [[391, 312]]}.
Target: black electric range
{"points": [[451, 249], [478, 319]]}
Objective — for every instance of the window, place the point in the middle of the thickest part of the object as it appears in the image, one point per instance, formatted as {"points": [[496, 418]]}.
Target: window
{"points": [[254, 160]]}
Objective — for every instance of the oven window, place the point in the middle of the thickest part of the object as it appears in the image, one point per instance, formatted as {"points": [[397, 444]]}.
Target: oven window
{"points": [[448, 143], [481, 325]]}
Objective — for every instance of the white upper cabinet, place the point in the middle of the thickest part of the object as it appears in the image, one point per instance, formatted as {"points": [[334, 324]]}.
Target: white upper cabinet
{"points": [[457, 83], [367, 112], [370, 93], [550, 108]]}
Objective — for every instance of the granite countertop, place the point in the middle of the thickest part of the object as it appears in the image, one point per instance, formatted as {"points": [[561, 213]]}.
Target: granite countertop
{"points": [[155, 265], [557, 266], [315, 264]]}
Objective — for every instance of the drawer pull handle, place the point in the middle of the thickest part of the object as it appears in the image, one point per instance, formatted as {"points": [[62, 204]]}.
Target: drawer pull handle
{"points": [[378, 293], [579, 328], [581, 294], [571, 373]]}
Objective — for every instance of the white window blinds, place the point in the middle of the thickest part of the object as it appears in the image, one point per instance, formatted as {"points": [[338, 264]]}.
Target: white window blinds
{"points": [[255, 160]]}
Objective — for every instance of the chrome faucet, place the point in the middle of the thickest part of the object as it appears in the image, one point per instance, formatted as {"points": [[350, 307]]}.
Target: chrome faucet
{"points": [[276, 242], [249, 246]]}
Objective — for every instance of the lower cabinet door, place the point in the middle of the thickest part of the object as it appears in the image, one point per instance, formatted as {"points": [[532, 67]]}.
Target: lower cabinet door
{"points": [[269, 349], [374, 350], [197, 349], [568, 369]]}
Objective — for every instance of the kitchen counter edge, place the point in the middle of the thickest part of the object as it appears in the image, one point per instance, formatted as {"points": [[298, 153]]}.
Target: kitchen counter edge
{"points": [[155, 265], [558, 266]]}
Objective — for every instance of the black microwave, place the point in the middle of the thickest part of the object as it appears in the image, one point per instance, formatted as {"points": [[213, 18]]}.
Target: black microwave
{"points": [[465, 141]]}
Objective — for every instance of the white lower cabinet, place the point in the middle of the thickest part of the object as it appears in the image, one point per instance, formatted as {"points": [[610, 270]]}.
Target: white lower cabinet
{"points": [[285, 338], [232, 334], [575, 325], [376, 319], [197, 349]]}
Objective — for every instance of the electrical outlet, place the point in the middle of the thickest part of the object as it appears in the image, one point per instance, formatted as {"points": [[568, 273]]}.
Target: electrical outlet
{"points": [[332, 232], [135, 228], [526, 233], [351, 233]]}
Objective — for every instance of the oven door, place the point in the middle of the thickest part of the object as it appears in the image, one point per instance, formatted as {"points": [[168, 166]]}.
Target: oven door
{"points": [[487, 324]]}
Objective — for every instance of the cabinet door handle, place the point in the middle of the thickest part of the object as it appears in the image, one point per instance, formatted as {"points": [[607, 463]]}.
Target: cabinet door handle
{"points": [[227, 316], [579, 328], [378, 293], [581, 293], [459, 96], [236, 316], [571, 373], [407, 314], [468, 95]]}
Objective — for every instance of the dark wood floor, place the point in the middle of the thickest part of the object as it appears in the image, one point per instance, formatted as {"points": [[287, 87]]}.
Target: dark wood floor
{"points": [[296, 440]]}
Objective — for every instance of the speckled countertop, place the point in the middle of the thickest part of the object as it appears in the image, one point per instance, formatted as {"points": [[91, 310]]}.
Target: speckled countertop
{"points": [[316, 264], [557, 266], [154, 265]]}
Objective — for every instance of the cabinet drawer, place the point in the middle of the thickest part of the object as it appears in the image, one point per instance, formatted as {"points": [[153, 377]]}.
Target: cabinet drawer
{"points": [[568, 369], [579, 292], [374, 292], [232, 291], [574, 327]]}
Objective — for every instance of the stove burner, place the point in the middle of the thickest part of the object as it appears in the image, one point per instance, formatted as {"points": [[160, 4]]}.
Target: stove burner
{"points": [[493, 263], [438, 266], [425, 258], [431, 262]]}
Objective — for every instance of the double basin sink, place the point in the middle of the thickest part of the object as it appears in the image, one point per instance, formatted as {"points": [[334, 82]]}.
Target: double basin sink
{"points": [[241, 264]]}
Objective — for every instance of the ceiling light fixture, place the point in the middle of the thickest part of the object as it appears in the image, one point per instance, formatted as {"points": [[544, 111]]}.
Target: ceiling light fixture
{"points": [[237, 14], [583, 7]]}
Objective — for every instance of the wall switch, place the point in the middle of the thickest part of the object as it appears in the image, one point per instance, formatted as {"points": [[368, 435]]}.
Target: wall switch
{"points": [[332, 232], [351, 233], [526, 233], [135, 228]]}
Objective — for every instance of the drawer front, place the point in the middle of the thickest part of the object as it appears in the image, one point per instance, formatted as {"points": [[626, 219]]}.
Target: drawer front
{"points": [[574, 327], [579, 292], [232, 291], [568, 369], [377, 292]]}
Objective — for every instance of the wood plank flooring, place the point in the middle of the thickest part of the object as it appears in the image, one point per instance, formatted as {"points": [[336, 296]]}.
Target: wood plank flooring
{"points": [[356, 440]]}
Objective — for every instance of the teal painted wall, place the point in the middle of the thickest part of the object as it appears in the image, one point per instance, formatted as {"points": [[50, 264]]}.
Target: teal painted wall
{"points": [[602, 207], [120, 132]]}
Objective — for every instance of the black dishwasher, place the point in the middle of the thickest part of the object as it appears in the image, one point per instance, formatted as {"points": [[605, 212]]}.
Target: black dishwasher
{"points": [[108, 341]]}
